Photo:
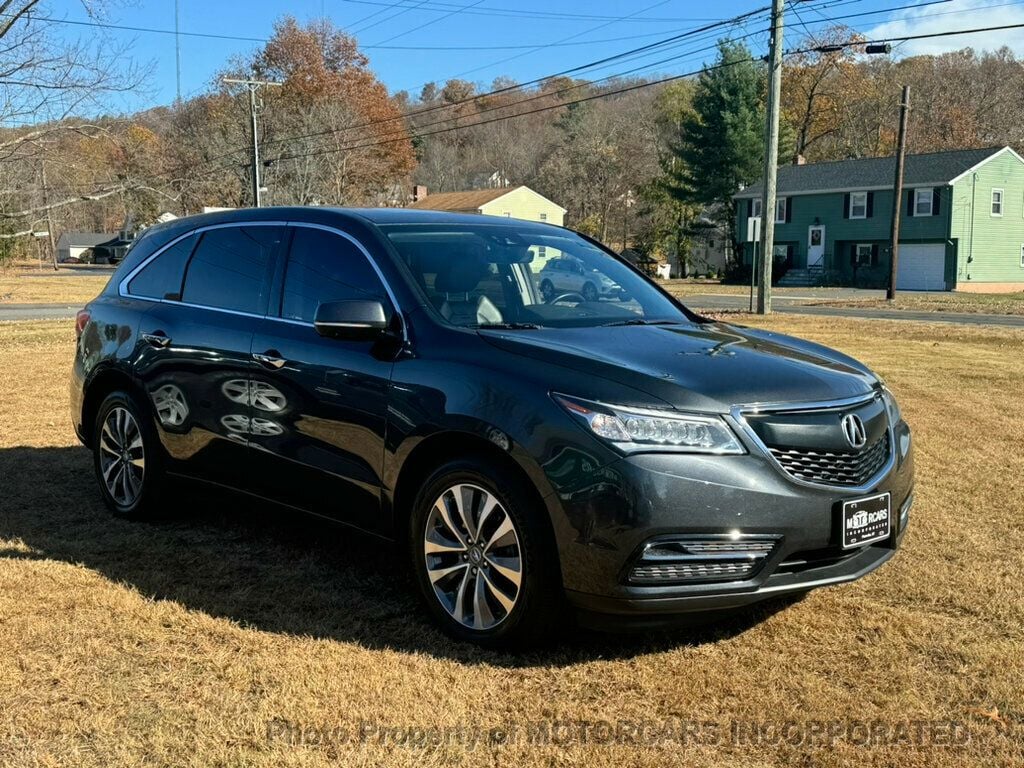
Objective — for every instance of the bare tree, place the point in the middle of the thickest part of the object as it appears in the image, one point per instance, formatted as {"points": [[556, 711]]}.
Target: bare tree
{"points": [[46, 85]]}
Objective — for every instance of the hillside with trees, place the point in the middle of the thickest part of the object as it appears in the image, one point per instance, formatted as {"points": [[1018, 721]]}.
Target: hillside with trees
{"points": [[637, 163]]}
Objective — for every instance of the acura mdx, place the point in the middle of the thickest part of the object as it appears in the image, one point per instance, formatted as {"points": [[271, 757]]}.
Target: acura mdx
{"points": [[534, 445]]}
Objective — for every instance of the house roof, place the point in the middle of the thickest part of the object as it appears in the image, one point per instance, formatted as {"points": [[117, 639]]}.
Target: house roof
{"points": [[932, 168], [83, 239], [470, 200]]}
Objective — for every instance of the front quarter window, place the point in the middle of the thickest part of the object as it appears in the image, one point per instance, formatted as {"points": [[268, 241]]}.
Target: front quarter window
{"points": [[511, 275]]}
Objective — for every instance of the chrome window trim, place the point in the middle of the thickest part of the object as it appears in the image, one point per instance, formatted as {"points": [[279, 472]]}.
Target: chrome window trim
{"points": [[740, 412], [122, 287]]}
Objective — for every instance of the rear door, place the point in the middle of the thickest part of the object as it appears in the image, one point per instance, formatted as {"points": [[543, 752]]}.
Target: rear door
{"points": [[327, 398], [197, 345]]}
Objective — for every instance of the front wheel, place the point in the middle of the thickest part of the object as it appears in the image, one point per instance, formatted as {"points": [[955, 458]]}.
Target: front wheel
{"points": [[483, 561], [126, 457], [590, 292]]}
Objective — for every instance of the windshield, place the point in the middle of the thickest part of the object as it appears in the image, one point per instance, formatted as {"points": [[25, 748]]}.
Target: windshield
{"points": [[524, 276]]}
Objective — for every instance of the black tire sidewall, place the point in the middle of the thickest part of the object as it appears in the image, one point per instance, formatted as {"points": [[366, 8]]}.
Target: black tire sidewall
{"points": [[530, 620], [147, 504]]}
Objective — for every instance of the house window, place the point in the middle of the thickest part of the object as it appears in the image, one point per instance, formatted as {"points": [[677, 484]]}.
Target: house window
{"points": [[863, 254], [755, 207], [543, 217], [780, 211], [858, 205], [923, 201], [542, 251], [1022, 257], [997, 202]]}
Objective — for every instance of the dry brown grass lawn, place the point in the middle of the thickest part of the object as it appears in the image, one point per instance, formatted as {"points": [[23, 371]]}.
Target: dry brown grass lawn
{"points": [[34, 286], [176, 643], [983, 303]]}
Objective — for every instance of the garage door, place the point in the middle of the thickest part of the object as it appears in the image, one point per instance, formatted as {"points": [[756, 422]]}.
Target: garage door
{"points": [[922, 267]]}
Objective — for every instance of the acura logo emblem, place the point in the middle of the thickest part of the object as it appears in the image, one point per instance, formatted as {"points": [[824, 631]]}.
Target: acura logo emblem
{"points": [[854, 430]]}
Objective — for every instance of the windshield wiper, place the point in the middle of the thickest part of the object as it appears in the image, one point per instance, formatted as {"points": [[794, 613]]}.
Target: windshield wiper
{"points": [[508, 326], [640, 321]]}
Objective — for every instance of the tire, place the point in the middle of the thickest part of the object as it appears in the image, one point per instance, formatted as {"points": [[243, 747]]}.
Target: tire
{"points": [[122, 424], [495, 611], [547, 290], [589, 292]]}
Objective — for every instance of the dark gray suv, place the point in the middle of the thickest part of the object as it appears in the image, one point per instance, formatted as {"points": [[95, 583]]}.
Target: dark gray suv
{"points": [[406, 373]]}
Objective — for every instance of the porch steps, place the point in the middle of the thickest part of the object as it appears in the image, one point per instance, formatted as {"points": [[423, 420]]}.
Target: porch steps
{"points": [[800, 278]]}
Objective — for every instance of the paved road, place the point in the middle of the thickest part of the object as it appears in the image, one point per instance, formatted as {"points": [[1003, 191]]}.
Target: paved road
{"points": [[708, 302], [69, 270], [37, 311]]}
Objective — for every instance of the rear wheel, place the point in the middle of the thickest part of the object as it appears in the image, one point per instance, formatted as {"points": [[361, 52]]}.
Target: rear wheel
{"points": [[126, 457], [482, 560], [547, 290]]}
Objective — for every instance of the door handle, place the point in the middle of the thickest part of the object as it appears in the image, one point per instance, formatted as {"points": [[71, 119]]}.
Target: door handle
{"points": [[157, 339], [271, 358]]}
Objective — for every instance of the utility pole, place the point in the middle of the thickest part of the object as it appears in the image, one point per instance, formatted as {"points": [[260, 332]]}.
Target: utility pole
{"points": [[253, 86], [897, 197], [771, 153], [49, 213], [177, 53]]}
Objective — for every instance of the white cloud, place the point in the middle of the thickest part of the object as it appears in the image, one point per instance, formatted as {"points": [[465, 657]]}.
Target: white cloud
{"points": [[958, 14]]}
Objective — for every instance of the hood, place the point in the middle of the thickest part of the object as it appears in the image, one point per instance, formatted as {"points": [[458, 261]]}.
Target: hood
{"points": [[706, 367]]}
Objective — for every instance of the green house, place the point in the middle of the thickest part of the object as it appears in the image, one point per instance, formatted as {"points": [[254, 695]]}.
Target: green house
{"points": [[961, 226]]}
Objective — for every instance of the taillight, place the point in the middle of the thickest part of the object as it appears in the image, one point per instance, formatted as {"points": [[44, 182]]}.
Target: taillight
{"points": [[81, 320]]}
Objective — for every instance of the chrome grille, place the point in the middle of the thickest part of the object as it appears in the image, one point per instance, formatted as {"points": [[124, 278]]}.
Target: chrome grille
{"points": [[834, 467]]}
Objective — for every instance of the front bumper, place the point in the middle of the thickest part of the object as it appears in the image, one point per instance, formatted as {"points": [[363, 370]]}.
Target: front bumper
{"points": [[604, 523]]}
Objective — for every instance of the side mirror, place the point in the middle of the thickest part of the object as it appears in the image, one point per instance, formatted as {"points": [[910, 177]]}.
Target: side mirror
{"points": [[353, 320]]}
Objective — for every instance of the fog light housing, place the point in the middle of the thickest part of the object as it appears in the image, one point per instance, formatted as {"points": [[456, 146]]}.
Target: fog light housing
{"points": [[701, 559]]}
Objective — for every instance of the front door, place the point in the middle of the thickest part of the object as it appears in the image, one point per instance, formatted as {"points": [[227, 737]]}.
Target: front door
{"points": [[815, 247], [321, 403]]}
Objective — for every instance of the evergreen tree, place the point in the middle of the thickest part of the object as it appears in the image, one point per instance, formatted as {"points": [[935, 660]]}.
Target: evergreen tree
{"points": [[721, 141]]}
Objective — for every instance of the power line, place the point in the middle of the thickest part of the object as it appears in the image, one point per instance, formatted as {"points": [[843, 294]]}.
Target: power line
{"points": [[648, 84], [439, 7], [536, 81], [515, 56], [238, 38], [405, 9], [633, 53], [429, 23]]}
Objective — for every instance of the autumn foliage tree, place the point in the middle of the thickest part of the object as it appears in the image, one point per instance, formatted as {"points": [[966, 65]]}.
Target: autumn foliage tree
{"points": [[330, 135]]}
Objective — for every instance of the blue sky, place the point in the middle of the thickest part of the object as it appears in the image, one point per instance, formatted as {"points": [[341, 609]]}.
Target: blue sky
{"points": [[565, 33]]}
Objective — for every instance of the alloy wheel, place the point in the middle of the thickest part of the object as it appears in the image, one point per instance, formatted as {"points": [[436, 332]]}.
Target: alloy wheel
{"points": [[122, 456], [473, 556]]}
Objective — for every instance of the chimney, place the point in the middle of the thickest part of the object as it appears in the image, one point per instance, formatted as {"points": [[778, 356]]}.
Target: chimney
{"points": [[799, 160], [419, 192]]}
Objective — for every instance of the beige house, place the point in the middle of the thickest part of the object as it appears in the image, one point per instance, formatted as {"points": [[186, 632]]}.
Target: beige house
{"points": [[511, 202]]}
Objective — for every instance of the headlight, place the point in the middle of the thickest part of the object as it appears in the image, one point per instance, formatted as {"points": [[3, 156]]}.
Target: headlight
{"points": [[891, 406], [633, 429]]}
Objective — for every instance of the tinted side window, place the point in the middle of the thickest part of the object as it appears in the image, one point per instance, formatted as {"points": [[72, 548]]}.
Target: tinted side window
{"points": [[161, 278], [325, 267], [229, 268]]}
